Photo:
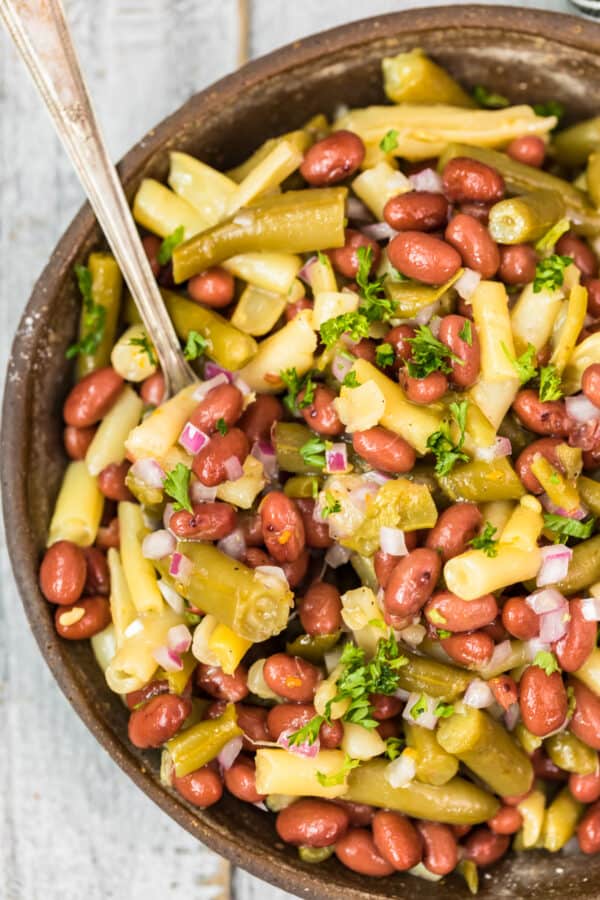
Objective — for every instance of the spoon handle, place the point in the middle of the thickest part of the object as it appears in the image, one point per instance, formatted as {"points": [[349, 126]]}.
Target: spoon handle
{"points": [[41, 34]]}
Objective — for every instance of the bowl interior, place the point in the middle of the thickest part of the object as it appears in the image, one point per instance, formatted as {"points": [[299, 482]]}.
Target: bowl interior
{"points": [[527, 55]]}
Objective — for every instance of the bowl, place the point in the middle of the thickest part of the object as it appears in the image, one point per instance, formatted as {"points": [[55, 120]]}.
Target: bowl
{"points": [[528, 55]]}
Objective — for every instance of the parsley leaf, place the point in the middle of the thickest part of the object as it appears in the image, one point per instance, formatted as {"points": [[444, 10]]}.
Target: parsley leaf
{"points": [[356, 324], [443, 633], [384, 355], [419, 707], [177, 486], [191, 618], [373, 306], [546, 661], [444, 710], [351, 381], [93, 318], [562, 525], [221, 426], [309, 733], [550, 384], [295, 385], [548, 240], [394, 747], [332, 505], [171, 241], [524, 365], [146, 347], [435, 616], [389, 141], [486, 541], [428, 354], [550, 273], [313, 452], [338, 777], [323, 258], [195, 345], [466, 333], [489, 99], [440, 443], [549, 108]]}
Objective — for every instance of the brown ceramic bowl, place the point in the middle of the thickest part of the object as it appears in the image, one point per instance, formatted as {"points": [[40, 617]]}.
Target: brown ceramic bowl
{"points": [[528, 55]]}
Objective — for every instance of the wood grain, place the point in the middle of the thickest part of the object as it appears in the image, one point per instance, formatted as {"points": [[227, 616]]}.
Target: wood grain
{"points": [[71, 824]]}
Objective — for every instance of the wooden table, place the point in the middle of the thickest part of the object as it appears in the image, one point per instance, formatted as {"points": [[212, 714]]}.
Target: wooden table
{"points": [[71, 824]]}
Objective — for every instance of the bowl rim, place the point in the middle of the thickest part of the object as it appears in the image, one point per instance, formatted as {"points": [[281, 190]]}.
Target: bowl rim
{"points": [[560, 28]]}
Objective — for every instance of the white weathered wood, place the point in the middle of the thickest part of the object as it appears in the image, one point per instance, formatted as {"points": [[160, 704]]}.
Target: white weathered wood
{"points": [[71, 824]]}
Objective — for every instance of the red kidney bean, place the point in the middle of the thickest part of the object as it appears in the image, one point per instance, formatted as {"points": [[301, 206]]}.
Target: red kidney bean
{"points": [[152, 389], [544, 768], [397, 839], [63, 573], [583, 255], [515, 799], [332, 159], [467, 180], [223, 402], [260, 416], [293, 716], [240, 780], [541, 417], [108, 535], [251, 527], [201, 788], [357, 851], [484, 848], [479, 211], [446, 610], [295, 571], [292, 309], [425, 390], [528, 149], [543, 700], [209, 521], [214, 682], [151, 245], [588, 830], [253, 722], [519, 619], [93, 615], [416, 211], [312, 823], [466, 372], [320, 415], [254, 557], [366, 348], [97, 579], [412, 582], [574, 648], [460, 830], [477, 248], [399, 338], [507, 820], [150, 690], [158, 720], [92, 397], [590, 383], [440, 847], [517, 264], [388, 728], [585, 788], [209, 465], [291, 677], [454, 529], [469, 648], [547, 448], [321, 609], [345, 259], [111, 481], [385, 706], [360, 814], [385, 563], [77, 440], [316, 533], [282, 527], [585, 723], [593, 289], [214, 287], [385, 450], [423, 257], [496, 630], [505, 690]]}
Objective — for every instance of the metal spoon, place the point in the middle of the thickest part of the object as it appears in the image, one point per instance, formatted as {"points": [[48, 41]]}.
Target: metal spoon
{"points": [[41, 34]]}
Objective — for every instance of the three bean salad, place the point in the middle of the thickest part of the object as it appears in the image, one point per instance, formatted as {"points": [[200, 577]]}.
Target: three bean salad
{"points": [[352, 574]]}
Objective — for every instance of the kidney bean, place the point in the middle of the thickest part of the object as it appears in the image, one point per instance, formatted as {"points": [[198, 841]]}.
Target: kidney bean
{"points": [[460, 830], [519, 619], [454, 529], [291, 677], [251, 527], [544, 768], [108, 535], [399, 338], [585, 723], [295, 571], [254, 557], [357, 851], [496, 630], [412, 582], [484, 847], [111, 481], [590, 383], [473, 241], [201, 788], [548, 417], [289, 717], [312, 823], [547, 448], [397, 839], [573, 649], [583, 255], [505, 690], [92, 397], [507, 820], [321, 609], [332, 159], [469, 648], [282, 527], [360, 814], [240, 780], [385, 706], [83, 619], [151, 245], [479, 211], [585, 788], [316, 533], [260, 416], [384, 450], [517, 264], [209, 465], [425, 390], [320, 415], [223, 402], [528, 149], [158, 720], [214, 287], [588, 830], [440, 847], [446, 610], [593, 289], [345, 259], [467, 180], [97, 579], [63, 573], [464, 373], [423, 257], [209, 521], [385, 563], [389, 728], [292, 309], [366, 348], [152, 389], [214, 682], [253, 722], [77, 440], [150, 690], [543, 700], [416, 211]]}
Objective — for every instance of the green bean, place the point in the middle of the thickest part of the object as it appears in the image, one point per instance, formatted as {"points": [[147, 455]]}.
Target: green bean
{"points": [[589, 491], [589, 673], [569, 753], [470, 873], [486, 748], [301, 487], [573, 145], [150, 497], [414, 78], [457, 802], [315, 854], [528, 741], [423, 675], [560, 820], [593, 178], [518, 656], [365, 569], [526, 218], [300, 139], [288, 438], [482, 482], [584, 568], [410, 297], [292, 222], [107, 286], [312, 647], [195, 747], [434, 765]]}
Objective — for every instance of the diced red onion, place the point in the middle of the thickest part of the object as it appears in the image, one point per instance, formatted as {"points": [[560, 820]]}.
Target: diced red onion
{"points": [[542, 602], [581, 409], [158, 544], [580, 512], [401, 771], [264, 452], [426, 719], [233, 468], [427, 180], [200, 493], [167, 513], [168, 659], [336, 458], [181, 567], [242, 386], [512, 715], [206, 386], [478, 694], [149, 472], [304, 273], [553, 625], [501, 447], [230, 753], [213, 369], [340, 366], [377, 477], [534, 646], [357, 211], [379, 231], [171, 596], [392, 540], [179, 638], [501, 654], [234, 544], [337, 556], [590, 609], [192, 439], [466, 285], [555, 564], [305, 749], [425, 314]]}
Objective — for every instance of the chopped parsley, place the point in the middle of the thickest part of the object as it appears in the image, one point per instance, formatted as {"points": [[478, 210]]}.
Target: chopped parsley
{"points": [[443, 633], [466, 333], [394, 747], [489, 99], [565, 527], [332, 505], [323, 258], [435, 616], [295, 384], [440, 443], [195, 346], [550, 273], [428, 354], [221, 426], [177, 486], [444, 710], [313, 452], [549, 108], [338, 777], [143, 342], [384, 355], [546, 661], [486, 541], [524, 365], [550, 384], [356, 324], [548, 240], [171, 241], [389, 141], [350, 380], [93, 318], [191, 618], [419, 707], [309, 733]]}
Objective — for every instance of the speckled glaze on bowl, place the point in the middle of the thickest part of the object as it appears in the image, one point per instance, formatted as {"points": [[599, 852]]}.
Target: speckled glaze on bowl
{"points": [[528, 55]]}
